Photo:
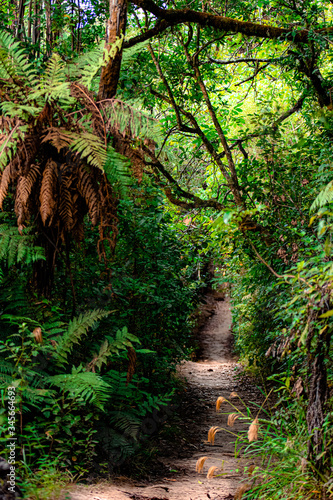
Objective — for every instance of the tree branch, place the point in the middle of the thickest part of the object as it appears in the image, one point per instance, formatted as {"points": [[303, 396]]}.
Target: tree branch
{"points": [[241, 60], [172, 17], [257, 70], [234, 186], [197, 202]]}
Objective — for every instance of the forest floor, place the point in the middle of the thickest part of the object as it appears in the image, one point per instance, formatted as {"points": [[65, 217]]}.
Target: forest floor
{"points": [[216, 373]]}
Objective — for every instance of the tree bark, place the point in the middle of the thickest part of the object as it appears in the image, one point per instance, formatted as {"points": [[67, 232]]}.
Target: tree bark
{"points": [[20, 22], [48, 27], [116, 26]]}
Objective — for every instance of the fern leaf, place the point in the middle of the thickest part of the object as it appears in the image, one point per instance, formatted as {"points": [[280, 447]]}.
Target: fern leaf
{"points": [[77, 329], [48, 201], [324, 197], [87, 385]]}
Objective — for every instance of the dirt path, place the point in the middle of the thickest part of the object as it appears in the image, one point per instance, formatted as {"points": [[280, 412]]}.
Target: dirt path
{"points": [[207, 379]]}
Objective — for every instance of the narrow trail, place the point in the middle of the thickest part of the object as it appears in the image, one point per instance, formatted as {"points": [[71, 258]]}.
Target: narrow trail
{"points": [[212, 376]]}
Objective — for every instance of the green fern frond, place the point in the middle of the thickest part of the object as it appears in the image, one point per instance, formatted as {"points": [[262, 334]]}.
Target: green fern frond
{"points": [[14, 63], [18, 248], [324, 197], [77, 329], [87, 385], [90, 147], [112, 346], [53, 84], [130, 52], [128, 423], [126, 119], [86, 66], [8, 146], [117, 169], [6, 367]]}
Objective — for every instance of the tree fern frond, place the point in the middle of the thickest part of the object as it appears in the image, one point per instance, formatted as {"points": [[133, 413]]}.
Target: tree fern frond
{"points": [[117, 169], [130, 52], [90, 147], [8, 146], [18, 248], [14, 63], [93, 61], [126, 120]]}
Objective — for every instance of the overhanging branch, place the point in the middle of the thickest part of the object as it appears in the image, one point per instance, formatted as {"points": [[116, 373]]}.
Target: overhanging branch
{"points": [[173, 17]]}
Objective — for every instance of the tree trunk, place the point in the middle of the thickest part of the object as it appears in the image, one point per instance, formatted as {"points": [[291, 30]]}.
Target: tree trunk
{"points": [[318, 394], [48, 27], [35, 30], [29, 20], [116, 26], [20, 22]]}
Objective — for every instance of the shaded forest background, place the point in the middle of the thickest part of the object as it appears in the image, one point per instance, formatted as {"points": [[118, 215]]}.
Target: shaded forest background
{"points": [[141, 144]]}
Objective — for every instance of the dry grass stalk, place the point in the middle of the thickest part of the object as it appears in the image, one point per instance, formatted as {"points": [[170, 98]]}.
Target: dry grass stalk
{"points": [[251, 469], [37, 333], [219, 401], [233, 395], [289, 443], [253, 430], [231, 419], [304, 464], [211, 434], [241, 490], [211, 471], [200, 464]]}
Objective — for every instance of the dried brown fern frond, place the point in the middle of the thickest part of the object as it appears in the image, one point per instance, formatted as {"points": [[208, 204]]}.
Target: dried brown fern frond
{"points": [[89, 193], [232, 418], [219, 401], [244, 488], [20, 209], [253, 430], [211, 471], [7, 177], [59, 138], [48, 195], [212, 433], [37, 334], [24, 188], [66, 207], [200, 464]]}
